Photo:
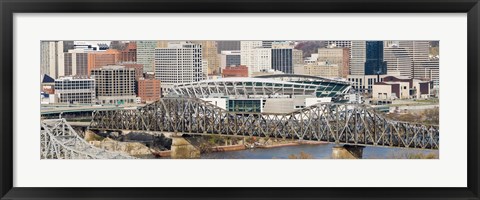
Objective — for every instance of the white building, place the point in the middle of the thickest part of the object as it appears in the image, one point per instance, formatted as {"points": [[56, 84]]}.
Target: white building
{"points": [[70, 90], [52, 58], [260, 60], [180, 62], [114, 84], [255, 56], [313, 59]]}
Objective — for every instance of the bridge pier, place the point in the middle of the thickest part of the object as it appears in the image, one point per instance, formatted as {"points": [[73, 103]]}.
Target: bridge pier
{"points": [[347, 152], [182, 149]]}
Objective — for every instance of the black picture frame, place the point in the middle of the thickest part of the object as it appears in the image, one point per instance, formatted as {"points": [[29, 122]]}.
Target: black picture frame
{"points": [[10, 7]]}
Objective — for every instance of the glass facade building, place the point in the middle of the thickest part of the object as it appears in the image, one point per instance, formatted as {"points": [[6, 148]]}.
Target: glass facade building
{"points": [[282, 60], [374, 64]]}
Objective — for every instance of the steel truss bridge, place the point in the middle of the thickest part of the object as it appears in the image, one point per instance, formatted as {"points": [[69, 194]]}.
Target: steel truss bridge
{"points": [[335, 123], [60, 141]]}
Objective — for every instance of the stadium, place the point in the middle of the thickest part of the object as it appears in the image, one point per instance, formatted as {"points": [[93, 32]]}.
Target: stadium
{"points": [[280, 93]]}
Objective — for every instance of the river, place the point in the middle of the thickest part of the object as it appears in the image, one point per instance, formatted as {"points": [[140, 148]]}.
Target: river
{"points": [[319, 151]]}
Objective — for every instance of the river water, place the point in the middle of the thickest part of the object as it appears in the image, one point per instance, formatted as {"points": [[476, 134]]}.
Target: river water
{"points": [[318, 151]]}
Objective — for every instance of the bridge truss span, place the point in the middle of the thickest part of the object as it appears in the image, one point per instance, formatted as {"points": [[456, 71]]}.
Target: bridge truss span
{"points": [[335, 123], [58, 140]]}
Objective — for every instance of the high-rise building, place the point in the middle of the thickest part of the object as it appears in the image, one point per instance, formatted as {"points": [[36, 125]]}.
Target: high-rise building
{"points": [[398, 60], [374, 63], [114, 84], [336, 56], [246, 48], [98, 59], [149, 90], [76, 62], [260, 60], [180, 62], [209, 53], [285, 59], [357, 57], [229, 58], [146, 54], [73, 91], [228, 46], [422, 66], [52, 58]]}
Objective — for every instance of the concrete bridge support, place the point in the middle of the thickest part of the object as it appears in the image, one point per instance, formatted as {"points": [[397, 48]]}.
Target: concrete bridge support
{"points": [[183, 149], [347, 152]]}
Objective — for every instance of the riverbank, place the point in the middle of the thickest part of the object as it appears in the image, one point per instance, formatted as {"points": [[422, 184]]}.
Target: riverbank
{"points": [[241, 147]]}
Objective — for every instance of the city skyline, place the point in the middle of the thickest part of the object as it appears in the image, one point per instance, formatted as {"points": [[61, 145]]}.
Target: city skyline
{"points": [[159, 95]]}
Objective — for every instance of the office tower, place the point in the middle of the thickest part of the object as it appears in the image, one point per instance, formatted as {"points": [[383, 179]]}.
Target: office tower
{"points": [[149, 90], [209, 54], [76, 62], [285, 59], [52, 58], [146, 54], [246, 48], [357, 58], [336, 56], [227, 46], [374, 64], [98, 59], [229, 58], [114, 84], [260, 60], [180, 62], [254, 56], [73, 91], [398, 60], [422, 66]]}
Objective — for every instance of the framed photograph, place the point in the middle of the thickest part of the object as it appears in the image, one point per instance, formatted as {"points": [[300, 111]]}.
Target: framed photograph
{"points": [[239, 100]]}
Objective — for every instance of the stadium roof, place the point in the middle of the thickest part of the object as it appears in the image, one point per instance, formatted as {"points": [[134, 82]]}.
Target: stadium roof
{"points": [[301, 76]]}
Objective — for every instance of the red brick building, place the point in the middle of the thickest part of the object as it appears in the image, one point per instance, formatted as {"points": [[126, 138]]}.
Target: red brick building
{"points": [[138, 69], [129, 54], [99, 59], [149, 90], [235, 71]]}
